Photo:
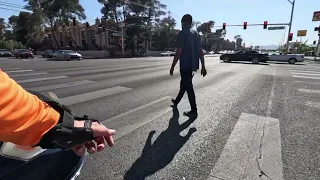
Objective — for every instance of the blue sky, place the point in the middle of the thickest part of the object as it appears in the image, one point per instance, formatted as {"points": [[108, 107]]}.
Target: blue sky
{"points": [[231, 12]]}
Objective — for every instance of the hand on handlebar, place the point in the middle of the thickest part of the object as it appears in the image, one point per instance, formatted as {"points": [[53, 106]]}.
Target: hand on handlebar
{"points": [[101, 135]]}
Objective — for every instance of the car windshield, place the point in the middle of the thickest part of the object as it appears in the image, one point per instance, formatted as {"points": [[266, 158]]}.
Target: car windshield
{"points": [[68, 51]]}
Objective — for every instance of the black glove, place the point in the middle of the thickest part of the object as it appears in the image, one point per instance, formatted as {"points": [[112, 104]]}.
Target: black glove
{"points": [[64, 135]]}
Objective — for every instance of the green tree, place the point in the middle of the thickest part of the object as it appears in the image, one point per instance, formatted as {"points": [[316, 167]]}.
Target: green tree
{"points": [[238, 41], [142, 14], [2, 28], [164, 35], [52, 11]]}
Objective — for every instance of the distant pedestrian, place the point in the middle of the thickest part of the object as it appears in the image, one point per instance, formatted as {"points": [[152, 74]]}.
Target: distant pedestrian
{"points": [[189, 51]]}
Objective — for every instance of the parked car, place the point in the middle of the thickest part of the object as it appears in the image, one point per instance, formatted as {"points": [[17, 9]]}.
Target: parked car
{"points": [[167, 53], [290, 58], [48, 54], [67, 55], [23, 53], [5, 53], [253, 56]]}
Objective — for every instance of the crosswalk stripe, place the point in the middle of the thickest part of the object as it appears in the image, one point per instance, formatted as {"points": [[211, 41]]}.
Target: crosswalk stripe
{"points": [[129, 121], [63, 85], [9, 69], [29, 74], [70, 100], [40, 79], [315, 72], [18, 71], [314, 91], [307, 74], [314, 83], [253, 150], [306, 77], [313, 104]]}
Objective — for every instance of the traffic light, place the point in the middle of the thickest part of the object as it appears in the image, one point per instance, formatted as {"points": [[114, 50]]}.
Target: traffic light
{"points": [[265, 24], [245, 25], [224, 26], [290, 36], [314, 42]]}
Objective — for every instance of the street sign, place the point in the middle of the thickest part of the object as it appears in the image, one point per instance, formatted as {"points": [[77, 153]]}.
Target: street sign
{"points": [[117, 34], [316, 16], [276, 28], [302, 33]]}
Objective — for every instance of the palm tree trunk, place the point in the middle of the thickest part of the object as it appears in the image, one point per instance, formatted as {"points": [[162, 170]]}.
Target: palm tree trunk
{"points": [[54, 34]]}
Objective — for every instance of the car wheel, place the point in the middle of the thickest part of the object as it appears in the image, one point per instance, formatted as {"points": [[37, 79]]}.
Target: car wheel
{"points": [[226, 59], [292, 61], [66, 58], [255, 61]]}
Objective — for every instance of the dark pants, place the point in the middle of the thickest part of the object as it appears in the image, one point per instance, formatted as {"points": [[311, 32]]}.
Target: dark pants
{"points": [[186, 85]]}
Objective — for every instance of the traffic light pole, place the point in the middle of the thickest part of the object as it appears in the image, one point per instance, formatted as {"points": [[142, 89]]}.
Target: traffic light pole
{"points": [[318, 48], [290, 24]]}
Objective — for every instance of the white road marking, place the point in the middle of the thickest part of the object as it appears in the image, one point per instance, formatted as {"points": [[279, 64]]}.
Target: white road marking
{"points": [[306, 74], [252, 152], [70, 100], [296, 71], [129, 121], [63, 85], [9, 69], [313, 91], [313, 104], [306, 77], [40, 79], [307, 82], [18, 71], [30, 74]]}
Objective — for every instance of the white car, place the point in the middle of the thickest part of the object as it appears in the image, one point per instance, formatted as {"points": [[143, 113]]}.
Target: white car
{"points": [[167, 53], [290, 58], [66, 55]]}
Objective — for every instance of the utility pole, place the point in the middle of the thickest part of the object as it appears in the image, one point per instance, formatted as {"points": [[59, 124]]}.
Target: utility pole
{"points": [[122, 37], [290, 24], [169, 18]]}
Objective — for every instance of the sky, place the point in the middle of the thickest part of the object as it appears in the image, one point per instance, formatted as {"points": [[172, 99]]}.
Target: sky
{"points": [[230, 12]]}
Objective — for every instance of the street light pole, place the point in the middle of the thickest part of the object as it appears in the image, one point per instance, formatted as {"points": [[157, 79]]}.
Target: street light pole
{"points": [[122, 40], [290, 24]]}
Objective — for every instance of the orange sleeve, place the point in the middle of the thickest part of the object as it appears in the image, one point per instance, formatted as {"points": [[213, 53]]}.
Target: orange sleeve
{"points": [[24, 118]]}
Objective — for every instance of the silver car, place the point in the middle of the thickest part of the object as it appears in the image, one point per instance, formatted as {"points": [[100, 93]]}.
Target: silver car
{"points": [[66, 55]]}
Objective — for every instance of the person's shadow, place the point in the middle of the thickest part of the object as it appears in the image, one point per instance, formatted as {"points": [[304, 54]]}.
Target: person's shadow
{"points": [[159, 154]]}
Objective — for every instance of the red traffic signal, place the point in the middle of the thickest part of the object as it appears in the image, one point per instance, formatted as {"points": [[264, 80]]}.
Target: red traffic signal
{"points": [[265, 24], [245, 25], [290, 36], [224, 26]]}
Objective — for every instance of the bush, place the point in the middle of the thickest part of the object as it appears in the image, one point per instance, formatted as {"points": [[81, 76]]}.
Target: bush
{"points": [[10, 45]]}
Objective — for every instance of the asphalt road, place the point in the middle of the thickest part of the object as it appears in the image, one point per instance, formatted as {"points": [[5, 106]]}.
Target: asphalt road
{"points": [[255, 121]]}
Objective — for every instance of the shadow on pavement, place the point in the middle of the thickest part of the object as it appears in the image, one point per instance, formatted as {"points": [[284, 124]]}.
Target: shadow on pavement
{"points": [[297, 63], [249, 63], [159, 154]]}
